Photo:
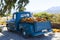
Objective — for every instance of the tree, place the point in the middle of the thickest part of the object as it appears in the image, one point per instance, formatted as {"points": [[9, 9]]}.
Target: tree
{"points": [[44, 15], [7, 5]]}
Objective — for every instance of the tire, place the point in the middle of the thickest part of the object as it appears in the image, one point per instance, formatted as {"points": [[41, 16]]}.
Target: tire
{"points": [[9, 29], [6, 25], [0, 30], [24, 34]]}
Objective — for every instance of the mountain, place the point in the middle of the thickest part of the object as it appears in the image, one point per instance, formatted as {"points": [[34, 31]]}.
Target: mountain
{"points": [[53, 10]]}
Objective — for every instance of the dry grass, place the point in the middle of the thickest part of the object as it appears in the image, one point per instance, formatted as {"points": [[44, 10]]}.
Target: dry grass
{"points": [[56, 30], [3, 20]]}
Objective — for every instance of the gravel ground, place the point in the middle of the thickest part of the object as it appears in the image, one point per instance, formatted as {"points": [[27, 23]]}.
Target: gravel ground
{"points": [[5, 35]]}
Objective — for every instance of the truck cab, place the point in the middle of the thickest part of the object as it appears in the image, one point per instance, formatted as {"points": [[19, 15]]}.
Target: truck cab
{"points": [[14, 22], [32, 29]]}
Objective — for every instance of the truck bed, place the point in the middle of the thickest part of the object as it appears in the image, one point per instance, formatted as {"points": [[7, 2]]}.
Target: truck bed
{"points": [[38, 26]]}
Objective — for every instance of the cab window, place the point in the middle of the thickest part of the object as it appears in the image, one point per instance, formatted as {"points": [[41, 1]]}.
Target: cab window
{"points": [[14, 16], [24, 15]]}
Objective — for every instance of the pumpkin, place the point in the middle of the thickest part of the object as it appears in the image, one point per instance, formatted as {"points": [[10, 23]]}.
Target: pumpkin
{"points": [[24, 19], [43, 19], [30, 20], [38, 19]]}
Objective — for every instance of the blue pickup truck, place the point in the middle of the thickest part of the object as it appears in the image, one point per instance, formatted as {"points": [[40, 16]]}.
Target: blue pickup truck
{"points": [[27, 29]]}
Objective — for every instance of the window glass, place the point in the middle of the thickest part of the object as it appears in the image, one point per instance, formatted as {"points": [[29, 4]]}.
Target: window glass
{"points": [[14, 16], [24, 15]]}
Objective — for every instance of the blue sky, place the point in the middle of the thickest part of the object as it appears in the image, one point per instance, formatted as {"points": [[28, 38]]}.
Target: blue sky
{"points": [[41, 4]]}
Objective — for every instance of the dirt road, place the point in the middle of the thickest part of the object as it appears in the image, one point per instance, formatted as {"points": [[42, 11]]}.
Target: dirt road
{"points": [[5, 35]]}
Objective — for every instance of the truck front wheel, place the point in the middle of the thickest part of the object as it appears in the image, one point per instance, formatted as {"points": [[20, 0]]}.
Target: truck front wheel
{"points": [[6, 25], [8, 29]]}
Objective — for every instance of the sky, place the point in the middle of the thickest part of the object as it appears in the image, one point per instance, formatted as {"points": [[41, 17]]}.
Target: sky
{"points": [[35, 5]]}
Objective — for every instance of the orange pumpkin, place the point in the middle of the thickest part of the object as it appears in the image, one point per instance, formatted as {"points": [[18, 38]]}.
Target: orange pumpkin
{"points": [[38, 19], [43, 19], [30, 20]]}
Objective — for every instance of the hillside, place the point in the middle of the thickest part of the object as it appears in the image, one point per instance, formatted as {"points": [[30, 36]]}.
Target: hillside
{"points": [[53, 10]]}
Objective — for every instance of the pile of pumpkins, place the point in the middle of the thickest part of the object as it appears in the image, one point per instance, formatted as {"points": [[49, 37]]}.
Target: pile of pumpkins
{"points": [[33, 19]]}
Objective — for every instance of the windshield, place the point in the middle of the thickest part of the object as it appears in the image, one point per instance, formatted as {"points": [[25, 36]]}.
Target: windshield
{"points": [[24, 15]]}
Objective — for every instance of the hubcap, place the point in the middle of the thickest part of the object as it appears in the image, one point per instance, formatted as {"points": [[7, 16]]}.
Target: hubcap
{"points": [[24, 33]]}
